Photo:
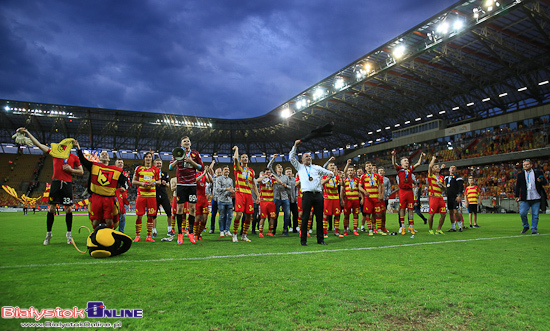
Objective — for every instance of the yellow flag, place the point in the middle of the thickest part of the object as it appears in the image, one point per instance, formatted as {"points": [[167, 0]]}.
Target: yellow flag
{"points": [[63, 149], [11, 192]]}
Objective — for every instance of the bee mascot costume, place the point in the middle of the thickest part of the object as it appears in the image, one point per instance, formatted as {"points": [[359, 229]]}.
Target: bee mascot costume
{"points": [[106, 242]]}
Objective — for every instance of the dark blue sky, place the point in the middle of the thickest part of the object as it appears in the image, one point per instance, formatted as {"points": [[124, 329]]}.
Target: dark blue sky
{"points": [[225, 59]]}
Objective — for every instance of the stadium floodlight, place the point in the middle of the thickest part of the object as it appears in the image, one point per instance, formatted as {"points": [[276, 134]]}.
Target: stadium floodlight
{"points": [[522, 89], [387, 128], [503, 95], [367, 67], [339, 83], [370, 141], [285, 113], [302, 103], [443, 27], [360, 71], [319, 93], [418, 119], [470, 104], [478, 12], [431, 115], [407, 122], [7, 108], [490, 4], [442, 112], [397, 125], [543, 83], [456, 108], [379, 130], [458, 25], [370, 132], [399, 51]]}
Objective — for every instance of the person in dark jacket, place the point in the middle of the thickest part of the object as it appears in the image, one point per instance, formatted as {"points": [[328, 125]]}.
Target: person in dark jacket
{"points": [[529, 194]]}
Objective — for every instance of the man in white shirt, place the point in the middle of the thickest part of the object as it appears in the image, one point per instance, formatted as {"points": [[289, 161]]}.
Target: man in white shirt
{"points": [[310, 180]]}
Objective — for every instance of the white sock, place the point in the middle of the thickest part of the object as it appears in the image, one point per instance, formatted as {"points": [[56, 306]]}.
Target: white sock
{"points": [[169, 229], [453, 226], [154, 229], [460, 225], [69, 233]]}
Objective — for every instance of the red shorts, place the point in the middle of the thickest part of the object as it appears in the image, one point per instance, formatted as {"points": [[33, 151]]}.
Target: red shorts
{"points": [[352, 207], [332, 207], [201, 208], [406, 199], [437, 205], [244, 203], [146, 204], [267, 209], [372, 205], [174, 205], [102, 208]]}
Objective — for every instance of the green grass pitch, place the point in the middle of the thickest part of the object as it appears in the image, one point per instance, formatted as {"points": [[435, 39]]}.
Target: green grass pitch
{"points": [[490, 278]]}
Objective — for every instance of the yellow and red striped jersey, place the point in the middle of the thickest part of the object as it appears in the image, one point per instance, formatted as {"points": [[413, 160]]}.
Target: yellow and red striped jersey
{"points": [[147, 175], [266, 189], [244, 179], [351, 187], [472, 194], [433, 189], [371, 183], [331, 188], [104, 179]]}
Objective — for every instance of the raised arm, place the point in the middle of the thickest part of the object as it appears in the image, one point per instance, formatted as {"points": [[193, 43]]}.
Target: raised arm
{"points": [[348, 162], [417, 164], [332, 158], [42, 147], [270, 164], [236, 156], [208, 172], [432, 162], [211, 168], [394, 159], [292, 156], [83, 160]]}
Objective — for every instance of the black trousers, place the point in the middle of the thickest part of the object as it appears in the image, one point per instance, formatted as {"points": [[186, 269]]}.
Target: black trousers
{"points": [[294, 217], [316, 201]]}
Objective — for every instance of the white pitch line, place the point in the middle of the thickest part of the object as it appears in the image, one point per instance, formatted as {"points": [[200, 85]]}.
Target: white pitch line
{"points": [[115, 261]]}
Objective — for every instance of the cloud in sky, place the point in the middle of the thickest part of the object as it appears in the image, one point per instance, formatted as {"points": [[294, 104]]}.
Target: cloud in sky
{"points": [[217, 58]]}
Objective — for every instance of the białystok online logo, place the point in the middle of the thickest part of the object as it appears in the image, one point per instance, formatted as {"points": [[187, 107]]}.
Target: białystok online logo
{"points": [[94, 309]]}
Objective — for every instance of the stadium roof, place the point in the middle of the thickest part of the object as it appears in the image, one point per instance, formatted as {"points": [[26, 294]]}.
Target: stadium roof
{"points": [[474, 60]]}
